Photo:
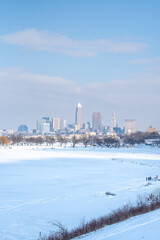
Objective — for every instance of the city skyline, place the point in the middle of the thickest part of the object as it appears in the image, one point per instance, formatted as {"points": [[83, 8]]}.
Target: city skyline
{"points": [[47, 125], [96, 121], [55, 125], [104, 54]]}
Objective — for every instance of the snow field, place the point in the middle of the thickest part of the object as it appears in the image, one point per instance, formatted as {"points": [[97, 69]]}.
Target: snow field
{"points": [[68, 185]]}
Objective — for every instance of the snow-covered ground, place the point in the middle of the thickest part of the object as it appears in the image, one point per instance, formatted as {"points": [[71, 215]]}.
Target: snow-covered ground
{"points": [[40, 186]]}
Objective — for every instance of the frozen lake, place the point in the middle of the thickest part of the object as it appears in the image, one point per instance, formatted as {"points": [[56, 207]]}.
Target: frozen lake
{"points": [[41, 186]]}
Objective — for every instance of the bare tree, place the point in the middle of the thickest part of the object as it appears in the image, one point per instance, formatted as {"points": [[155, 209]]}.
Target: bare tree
{"points": [[85, 140], [74, 141]]}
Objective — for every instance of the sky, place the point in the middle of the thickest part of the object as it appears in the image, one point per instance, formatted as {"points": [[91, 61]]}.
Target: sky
{"points": [[104, 54]]}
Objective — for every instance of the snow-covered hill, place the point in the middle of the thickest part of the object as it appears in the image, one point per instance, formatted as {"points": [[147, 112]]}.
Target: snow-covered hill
{"points": [[146, 226]]}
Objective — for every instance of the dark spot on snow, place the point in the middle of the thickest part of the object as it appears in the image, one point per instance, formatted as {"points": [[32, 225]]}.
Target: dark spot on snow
{"points": [[148, 184], [110, 194]]}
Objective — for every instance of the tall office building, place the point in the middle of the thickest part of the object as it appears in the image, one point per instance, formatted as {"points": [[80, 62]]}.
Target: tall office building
{"points": [[63, 124], [47, 119], [39, 124], [130, 126], [43, 126], [78, 116], [113, 122], [97, 121], [56, 124]]}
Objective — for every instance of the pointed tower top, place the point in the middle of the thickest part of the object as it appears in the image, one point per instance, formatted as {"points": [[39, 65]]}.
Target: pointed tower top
{"points": [[79, 105]]}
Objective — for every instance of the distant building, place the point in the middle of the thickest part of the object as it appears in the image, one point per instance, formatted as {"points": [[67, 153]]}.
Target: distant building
{"points": [[39, 124], [78, 116], [47, 119], [34, 131], [97, 122], [70, 126], [56, 124], [113, 122], [152, 142], [76, 127], [130, 126], [118, 130], [43, 127], [23, 128], [6, 132], [151, 130], [87, 126], [63, 124]]}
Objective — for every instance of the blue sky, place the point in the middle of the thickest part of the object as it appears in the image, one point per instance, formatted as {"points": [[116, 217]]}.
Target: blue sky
{"points": [[102, 53]]}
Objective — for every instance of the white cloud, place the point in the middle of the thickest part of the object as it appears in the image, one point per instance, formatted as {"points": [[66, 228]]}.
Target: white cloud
{"points": [[18, 80], [141, 84], [47, 41], [26, 95]]}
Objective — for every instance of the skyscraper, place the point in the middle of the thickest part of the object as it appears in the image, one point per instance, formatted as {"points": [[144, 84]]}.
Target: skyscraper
{"points": [[47, 119], [63, 124], [97, 121], [78, 115], [130, 126], [56, 124], [113, 122], [43, 126], [39, 125]]}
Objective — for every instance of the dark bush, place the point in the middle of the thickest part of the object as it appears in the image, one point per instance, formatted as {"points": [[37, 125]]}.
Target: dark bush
{"points": [[144, 204]]}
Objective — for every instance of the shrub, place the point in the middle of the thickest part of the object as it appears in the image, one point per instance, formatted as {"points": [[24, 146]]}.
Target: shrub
{"points": [[144, 204]]}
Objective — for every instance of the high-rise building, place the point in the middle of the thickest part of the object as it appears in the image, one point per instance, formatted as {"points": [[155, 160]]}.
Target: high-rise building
{"points": [[113, 122], [63, 124], [97, 121], [130, 126], [39, 124], [56, 124], [47, 119], [43, 126], [78, 116]]}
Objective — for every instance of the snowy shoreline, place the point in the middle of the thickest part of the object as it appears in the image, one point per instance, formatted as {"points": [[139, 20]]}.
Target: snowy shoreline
{"points": [[20, 153]]}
